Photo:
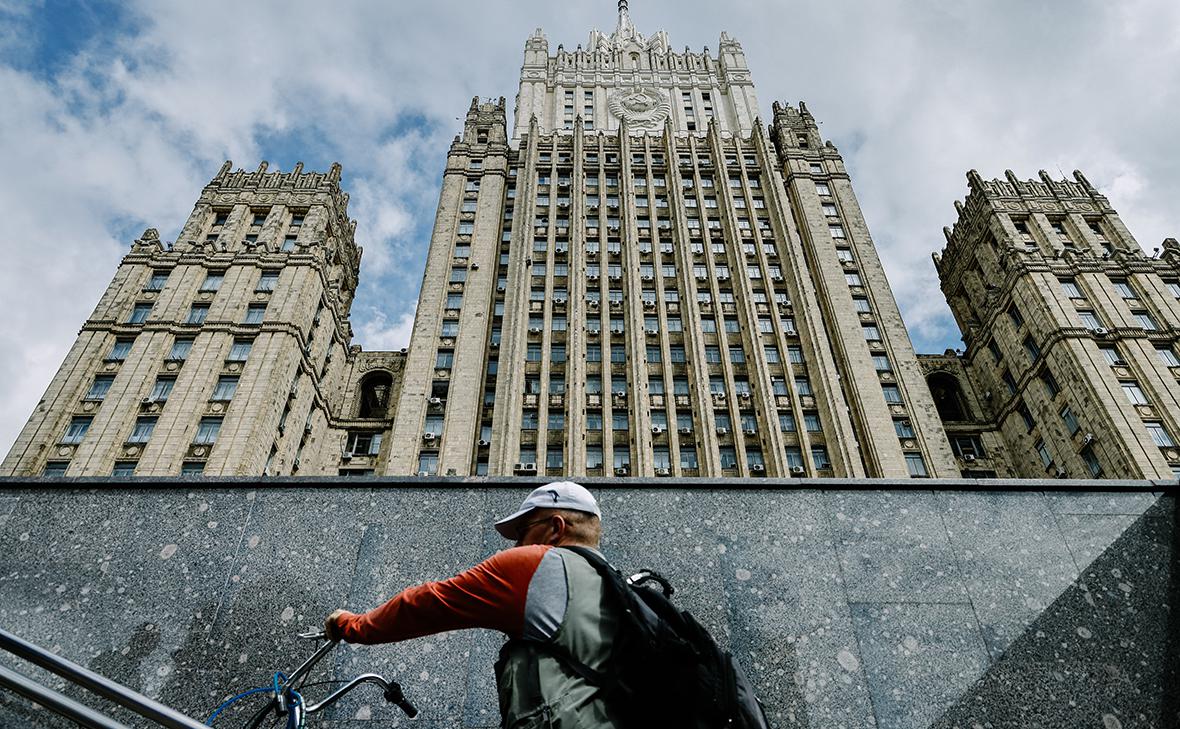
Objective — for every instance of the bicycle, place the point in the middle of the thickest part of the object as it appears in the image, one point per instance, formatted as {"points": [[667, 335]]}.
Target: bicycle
{"points": [[286, 698]]}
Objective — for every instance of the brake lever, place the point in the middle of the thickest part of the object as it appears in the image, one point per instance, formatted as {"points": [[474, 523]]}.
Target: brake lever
{"points": [[313, 635]]}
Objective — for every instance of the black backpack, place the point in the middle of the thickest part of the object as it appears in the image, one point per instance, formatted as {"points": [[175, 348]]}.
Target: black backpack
{"points": [[666, 669]]}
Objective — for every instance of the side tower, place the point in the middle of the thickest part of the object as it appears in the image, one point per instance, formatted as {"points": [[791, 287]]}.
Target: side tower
{"points": [[439, 410], [1071, 330], [208, 356], [893, 416], [630, 287]]}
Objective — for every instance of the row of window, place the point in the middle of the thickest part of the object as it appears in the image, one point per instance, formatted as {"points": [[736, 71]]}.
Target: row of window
{"points": [[124, 468], [197, 313], [145, 425]]}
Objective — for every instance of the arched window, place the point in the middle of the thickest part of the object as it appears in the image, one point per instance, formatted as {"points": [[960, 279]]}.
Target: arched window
{"points": [[375, 392], [948, 397]]}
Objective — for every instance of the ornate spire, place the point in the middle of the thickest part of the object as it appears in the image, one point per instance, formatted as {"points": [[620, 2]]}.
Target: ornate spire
{"points": [[625, 29]]}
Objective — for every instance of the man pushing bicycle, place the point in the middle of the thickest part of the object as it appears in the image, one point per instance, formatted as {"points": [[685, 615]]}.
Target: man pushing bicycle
{"points": [[550, 602]]}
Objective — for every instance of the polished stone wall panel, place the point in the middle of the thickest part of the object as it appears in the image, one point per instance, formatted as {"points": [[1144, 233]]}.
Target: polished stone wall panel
{"points": [[846, 607]]}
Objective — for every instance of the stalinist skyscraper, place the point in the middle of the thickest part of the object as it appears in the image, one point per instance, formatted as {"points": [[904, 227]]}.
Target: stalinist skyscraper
{"points": [[644, 278], [641, 276]]}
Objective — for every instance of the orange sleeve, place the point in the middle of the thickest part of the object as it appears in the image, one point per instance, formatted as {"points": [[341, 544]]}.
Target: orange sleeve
{"points": [[491, 594]]}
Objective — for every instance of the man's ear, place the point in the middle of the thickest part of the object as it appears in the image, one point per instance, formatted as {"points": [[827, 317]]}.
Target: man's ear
{"points": [[560, 527]]}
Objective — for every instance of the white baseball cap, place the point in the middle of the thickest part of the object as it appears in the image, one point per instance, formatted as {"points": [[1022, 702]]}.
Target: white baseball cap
{"points": [[556, 495]]}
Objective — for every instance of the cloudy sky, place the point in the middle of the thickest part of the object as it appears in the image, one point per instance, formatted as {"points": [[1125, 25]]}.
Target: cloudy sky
{"points": [[115, 114]]}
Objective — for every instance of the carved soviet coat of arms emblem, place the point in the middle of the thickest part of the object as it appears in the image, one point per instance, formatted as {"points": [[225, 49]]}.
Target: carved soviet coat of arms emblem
{"points": [[643, 108]]}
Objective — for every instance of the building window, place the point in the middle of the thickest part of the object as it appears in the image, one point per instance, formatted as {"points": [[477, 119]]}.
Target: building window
{"points": [[1031, 348], [76, 430], [1159, 434], [157, 281], [1070, 288], [903, 428], [1133, 392], [728, 457], [916, 465], [240, 350], [119, 350], [822, 189], [1070, 420], [139, 314], [366, 444], [99, 388], [428, 460], [55, 469], [1089, 319], [619, 421], [207, 431], [1050, 383], [594, 455], [444, 359], [213, 281], [197, 314], [267, 281], [226, 388], [803, 386], [786, 422], [1145, 321], [162, 389], [1044, 454], [1016, 317], [1167, 355], [819, 456], [255, 313], [288, 243], [1092, 463], [180, 349], [811, 422], [794, 456], [881, 363], [142, 432], [1124, 289], [450, 328], [192, 468], [872, 334], [1112, 355], [892, 394]]}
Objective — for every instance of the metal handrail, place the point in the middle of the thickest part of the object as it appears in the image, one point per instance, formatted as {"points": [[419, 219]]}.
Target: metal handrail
{"points": [[59, 704], [93, 682]]}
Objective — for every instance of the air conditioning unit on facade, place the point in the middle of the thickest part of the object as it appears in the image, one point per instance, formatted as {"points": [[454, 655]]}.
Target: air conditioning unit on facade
{"points": [[307, 428], [435, 401], [751, 431], [1101, 331], [657, 430], [484, 443], [429, 437], [757, 468], [423, 473], [621, 471], [685, 431], [723, 431], [798, 470], [526, 468], [969, 458], [663, 472], [1087, 439]]}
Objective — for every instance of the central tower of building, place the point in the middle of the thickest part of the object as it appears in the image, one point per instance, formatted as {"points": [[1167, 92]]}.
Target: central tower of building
{"points": [[643, 279]]}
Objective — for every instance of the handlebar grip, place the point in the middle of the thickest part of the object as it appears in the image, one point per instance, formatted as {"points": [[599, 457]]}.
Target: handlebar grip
{"points": [[395, 696], [407, 707]]}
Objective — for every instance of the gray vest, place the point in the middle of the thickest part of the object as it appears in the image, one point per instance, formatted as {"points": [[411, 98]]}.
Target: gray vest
{"points": [[536, 689]]}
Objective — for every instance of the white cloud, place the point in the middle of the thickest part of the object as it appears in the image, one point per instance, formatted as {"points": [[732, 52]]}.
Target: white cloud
{"points": [[127, 131], [382, 334]]}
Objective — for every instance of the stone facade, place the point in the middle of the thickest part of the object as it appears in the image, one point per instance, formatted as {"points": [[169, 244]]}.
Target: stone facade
{"points": [[640, 278], [1071, 332]]}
